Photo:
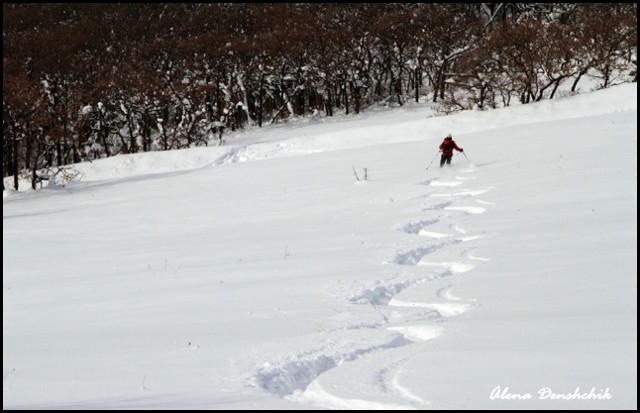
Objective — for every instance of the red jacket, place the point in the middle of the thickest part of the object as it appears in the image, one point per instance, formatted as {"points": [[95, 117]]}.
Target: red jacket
{"points": [[447, 146]]}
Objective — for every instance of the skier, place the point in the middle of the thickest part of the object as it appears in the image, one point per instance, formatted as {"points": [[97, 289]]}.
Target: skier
{"points": [[447, 146]]}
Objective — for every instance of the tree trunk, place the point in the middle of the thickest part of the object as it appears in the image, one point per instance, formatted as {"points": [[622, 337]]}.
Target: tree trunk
{"points": [[356, 97], [417, 83], [575, 82], [346, 98], [15, 162], [328, 102], [260, 100]]}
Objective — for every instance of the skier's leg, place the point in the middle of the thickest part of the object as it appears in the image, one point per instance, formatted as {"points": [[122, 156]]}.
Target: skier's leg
{"points": [[449, 160], [442, 160]]}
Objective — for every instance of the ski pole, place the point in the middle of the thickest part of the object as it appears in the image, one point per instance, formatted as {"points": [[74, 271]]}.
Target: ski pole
{"points": [[465, 155], [433, 160]]}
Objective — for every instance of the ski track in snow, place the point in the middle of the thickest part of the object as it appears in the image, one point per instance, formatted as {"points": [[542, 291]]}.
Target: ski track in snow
{"points": [[367, 342]]}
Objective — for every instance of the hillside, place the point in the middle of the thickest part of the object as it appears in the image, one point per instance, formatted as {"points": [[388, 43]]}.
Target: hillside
{"points": [[262, 275]]}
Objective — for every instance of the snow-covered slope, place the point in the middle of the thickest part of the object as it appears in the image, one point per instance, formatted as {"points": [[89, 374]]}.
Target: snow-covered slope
{"points": [[206, 279]]}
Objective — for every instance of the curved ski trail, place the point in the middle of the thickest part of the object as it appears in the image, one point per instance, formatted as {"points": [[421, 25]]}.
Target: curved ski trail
{"points": [[398, 315]]}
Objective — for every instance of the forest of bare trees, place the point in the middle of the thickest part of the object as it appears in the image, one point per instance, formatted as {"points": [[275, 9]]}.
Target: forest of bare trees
{"points": [[88, 81]]}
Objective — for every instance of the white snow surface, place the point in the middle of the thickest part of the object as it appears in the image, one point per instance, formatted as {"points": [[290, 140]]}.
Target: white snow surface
{"points": [[204, 279]]}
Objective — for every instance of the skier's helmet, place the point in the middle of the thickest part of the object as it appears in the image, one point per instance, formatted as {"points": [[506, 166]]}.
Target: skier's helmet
{"points": [[448, 136]]}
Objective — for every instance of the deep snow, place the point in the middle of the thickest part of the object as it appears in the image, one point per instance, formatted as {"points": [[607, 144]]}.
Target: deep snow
{"points": [[261, 275]]}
